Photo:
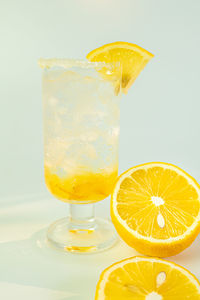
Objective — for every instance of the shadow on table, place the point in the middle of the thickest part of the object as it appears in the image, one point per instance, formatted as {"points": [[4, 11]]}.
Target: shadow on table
{"points": [[32, 262], [189, 258]]}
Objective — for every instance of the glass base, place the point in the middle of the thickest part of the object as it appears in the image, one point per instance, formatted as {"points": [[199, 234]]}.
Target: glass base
{"points": [[68, 236]]}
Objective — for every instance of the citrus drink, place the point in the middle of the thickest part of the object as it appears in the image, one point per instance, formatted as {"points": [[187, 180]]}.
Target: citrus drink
{"points": [[81, 129]]}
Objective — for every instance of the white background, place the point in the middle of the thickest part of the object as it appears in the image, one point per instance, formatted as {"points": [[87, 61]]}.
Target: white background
{"points": [[159, 116]]}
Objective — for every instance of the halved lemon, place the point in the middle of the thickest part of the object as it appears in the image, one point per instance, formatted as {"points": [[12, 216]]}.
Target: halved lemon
{"points": [[146, 278], [155, 208], [132, 58]]}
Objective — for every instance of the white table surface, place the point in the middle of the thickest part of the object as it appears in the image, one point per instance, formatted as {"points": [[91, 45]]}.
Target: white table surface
{"points": [[29, 269]]}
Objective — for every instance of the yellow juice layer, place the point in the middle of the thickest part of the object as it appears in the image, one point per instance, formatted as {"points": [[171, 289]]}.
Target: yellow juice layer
{"points": [[85, 187]]}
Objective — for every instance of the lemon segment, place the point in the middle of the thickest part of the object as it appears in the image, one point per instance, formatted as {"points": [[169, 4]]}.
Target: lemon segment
{"points": [[132, 58]]}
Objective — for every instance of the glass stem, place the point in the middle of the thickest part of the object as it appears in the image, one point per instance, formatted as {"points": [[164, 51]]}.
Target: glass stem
{"points": [[82, 216]]}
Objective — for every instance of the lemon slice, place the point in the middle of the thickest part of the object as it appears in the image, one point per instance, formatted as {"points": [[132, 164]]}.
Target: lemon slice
{"points": [[155, 208], [146, 278], [132, 58]]}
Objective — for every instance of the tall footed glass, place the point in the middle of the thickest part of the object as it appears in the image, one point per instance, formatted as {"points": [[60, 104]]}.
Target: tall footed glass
{"points": [[81, 130]]}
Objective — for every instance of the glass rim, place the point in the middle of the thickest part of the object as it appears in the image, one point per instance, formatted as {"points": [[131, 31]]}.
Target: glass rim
{"points": [[47, 63]]}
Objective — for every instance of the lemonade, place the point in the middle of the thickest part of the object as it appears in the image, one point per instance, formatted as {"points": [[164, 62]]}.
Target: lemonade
{"points": [[81, 108], [81, 129]]}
